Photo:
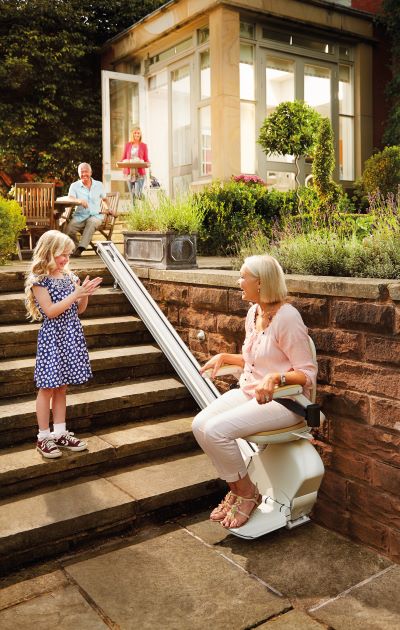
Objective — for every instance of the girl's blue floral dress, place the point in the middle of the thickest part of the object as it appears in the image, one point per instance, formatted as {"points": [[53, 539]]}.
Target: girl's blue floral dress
{"points": [[62, 357]]}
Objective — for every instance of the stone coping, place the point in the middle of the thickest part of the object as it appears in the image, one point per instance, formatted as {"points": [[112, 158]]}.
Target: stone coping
{"points": [[362, 288]]}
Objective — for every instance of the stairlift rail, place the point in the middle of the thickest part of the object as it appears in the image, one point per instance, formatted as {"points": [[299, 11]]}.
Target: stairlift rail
{"points": [[202, 389]]}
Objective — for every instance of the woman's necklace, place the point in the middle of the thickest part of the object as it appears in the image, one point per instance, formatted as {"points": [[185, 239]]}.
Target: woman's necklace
{"points": [[265, 316]]}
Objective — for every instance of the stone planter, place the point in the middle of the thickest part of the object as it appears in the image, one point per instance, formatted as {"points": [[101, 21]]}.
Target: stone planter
{"points": [[161, 250]]}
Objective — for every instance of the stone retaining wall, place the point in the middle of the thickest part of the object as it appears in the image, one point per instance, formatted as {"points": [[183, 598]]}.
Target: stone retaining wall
{"points": [[355, 325]]}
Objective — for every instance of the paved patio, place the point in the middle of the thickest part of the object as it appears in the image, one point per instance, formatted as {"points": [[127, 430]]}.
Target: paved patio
{"points": [[189, 574]]}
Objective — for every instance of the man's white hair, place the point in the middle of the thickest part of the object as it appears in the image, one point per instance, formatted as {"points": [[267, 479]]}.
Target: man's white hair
{"points": [[84, 165]]}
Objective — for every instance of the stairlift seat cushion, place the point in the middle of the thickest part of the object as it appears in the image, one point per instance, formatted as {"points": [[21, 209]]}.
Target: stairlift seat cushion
{"points": [[279, 435]]}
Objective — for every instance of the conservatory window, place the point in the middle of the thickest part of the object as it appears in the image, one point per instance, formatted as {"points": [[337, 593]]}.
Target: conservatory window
{"points": [[181, 123], [346, 124], [317, 88], [205, 75], [279, 80], [205, 140]]}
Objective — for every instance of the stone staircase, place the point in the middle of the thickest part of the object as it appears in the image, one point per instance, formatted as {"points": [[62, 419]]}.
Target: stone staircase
{"points": [[135, 414]]}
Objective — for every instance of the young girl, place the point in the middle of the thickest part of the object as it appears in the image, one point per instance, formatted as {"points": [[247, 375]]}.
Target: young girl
{"points": [[54, 294]]}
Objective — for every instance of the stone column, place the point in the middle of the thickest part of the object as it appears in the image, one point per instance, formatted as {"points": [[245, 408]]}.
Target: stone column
{"points": [[225, 95]]}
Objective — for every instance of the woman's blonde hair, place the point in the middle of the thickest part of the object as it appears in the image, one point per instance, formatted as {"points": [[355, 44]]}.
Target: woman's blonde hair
{"points": [[133, 131], [52, 243], [270, 274]]}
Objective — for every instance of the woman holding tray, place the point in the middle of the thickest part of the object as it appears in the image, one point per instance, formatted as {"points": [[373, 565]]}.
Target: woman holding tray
{"points": [[134, 150]]}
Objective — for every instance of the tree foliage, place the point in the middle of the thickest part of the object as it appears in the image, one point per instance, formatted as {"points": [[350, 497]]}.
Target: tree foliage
{"points": [[290, 130], [50, 103], [390, 18]]}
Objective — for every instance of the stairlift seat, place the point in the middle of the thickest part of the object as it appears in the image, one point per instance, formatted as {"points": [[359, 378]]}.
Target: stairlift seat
{"points": [[287, 434]]}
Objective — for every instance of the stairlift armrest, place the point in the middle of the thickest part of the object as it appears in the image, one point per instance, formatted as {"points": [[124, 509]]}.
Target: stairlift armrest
{"points": [[226, 370]]}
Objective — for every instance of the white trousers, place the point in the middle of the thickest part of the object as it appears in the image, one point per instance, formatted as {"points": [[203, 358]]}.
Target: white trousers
{"points": [[233, 415]]}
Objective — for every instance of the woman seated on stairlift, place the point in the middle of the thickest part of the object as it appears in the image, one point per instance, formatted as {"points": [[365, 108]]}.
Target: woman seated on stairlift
{"points": [[276, 351]]}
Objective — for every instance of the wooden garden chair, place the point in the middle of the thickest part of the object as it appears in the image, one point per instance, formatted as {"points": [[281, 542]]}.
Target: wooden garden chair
{"points": [[107, 227], [37, 203]]}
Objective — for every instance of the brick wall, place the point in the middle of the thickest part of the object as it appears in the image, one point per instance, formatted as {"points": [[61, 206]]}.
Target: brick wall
{"points": [[355, 325]]}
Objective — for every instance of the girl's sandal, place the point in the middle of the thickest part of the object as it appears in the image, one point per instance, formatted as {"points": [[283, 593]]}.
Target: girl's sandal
{"points": [[235, 509], [219, 513]]}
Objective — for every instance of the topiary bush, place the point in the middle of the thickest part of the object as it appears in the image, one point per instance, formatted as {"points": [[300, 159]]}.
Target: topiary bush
{"points": [[382, 172], [12, 222], [290, 130], [329, 192]]}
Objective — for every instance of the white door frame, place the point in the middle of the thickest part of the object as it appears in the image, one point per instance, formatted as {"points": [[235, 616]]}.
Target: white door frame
{"points": [[110, 171]]}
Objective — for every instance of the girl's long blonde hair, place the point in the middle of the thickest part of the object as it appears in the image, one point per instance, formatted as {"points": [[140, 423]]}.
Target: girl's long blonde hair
{"points": [[52, 243]]}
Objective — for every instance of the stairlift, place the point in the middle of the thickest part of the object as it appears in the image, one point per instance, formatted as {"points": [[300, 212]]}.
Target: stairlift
{"points": [[283, 463]]}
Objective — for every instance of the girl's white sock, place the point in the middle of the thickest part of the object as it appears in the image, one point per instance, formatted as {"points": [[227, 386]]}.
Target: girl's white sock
{"points": [[59, 428], [43, 433]]}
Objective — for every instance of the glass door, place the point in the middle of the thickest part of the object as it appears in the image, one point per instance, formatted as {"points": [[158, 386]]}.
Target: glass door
{"points": [[123, 107]]}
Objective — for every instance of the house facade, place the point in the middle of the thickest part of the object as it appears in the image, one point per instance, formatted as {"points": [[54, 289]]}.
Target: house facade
{"points": [[200, 76]]}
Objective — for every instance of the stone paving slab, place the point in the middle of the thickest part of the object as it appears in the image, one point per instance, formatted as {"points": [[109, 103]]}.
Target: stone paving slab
{"points": [[64, 609], [374, 605], [293, 620], [27, 589], [308, 565], [168, 580]]}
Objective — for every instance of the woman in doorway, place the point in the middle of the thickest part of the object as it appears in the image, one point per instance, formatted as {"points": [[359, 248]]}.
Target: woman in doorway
{"points": [[135, 149]]}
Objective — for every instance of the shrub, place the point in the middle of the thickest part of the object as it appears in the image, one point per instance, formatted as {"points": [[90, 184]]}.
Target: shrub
{"points": [[382, 172], [365, 246], [234, 209], [12, 222], [182, 214]]}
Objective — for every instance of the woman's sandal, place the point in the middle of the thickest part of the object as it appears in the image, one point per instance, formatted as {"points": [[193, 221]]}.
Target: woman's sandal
{"points": [[223, 508], [235, 509]]}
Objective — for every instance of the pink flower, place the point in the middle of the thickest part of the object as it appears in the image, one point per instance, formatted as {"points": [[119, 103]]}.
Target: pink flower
{"points": [[246, 178]]}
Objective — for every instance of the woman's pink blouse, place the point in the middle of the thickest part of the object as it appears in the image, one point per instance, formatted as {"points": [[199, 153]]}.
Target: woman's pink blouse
{"points": [[283, 346]]}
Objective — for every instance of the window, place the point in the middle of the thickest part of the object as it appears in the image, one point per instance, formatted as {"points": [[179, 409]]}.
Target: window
{"points": [[157, 135], [247, 110], [181, 135], [203, 35], [205, 140], [171, 52], [279, 82], [346, 124], [205, 75], [317, 88]]}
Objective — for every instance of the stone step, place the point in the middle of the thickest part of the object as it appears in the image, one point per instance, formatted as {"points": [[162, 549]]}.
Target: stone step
{"points": [[46, 522], [90, 408], [12, 280], [109, 365], [23, 468], [105, 302], [20, 340]]}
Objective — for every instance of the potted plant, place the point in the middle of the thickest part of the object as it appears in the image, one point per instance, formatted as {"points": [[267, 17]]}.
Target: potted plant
{"points": [[163, 233]]}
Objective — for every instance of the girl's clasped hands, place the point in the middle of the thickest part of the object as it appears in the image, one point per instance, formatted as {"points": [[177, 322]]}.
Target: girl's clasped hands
{"points": [[88, 287]]}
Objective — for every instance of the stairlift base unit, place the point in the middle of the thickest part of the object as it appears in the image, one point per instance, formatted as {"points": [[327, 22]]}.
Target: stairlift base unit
{"points": [[288, 475]]}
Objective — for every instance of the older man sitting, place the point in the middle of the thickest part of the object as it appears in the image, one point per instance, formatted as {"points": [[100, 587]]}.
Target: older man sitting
{"points": [[90, 199]]}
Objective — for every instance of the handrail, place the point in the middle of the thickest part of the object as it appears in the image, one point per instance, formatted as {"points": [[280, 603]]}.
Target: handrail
{"points": [[187, 367]]}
